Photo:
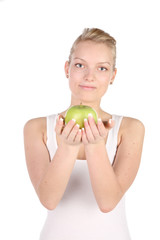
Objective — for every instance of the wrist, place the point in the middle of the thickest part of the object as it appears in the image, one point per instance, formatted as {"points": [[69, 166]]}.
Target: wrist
{"points": [[69, 147], [95, 146]]}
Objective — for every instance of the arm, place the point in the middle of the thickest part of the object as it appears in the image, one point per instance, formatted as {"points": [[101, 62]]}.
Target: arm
{"points": [[105, 185], [49, 178], [109, 182]]}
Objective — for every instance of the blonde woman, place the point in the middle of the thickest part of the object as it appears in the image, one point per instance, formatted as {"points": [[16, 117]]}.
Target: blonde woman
{"points": [[81, 175]]}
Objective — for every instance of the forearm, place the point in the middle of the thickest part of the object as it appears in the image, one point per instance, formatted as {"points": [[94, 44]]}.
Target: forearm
{"points": [[104, 182], [57, 174]]}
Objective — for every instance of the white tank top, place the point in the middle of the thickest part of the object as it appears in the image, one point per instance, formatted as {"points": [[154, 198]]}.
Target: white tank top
{"points": [[77, 216]]}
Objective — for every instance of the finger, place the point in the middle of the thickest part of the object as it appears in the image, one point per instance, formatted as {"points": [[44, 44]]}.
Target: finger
{"points": [[88, 131], [60, 116], [110, 124], [84, 137], [93, 126], [73, 133], [68, 128], [78, 137], [59, 125], [103, 129]]}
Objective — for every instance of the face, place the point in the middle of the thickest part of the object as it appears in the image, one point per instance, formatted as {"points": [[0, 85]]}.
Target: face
{"points": [[90, 71]]}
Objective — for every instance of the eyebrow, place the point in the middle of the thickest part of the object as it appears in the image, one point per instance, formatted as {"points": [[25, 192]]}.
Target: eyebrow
{"points": [[98, 62]]}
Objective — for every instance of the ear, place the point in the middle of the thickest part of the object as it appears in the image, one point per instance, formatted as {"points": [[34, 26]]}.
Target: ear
{"points": [[113, 75], [66, 68]]}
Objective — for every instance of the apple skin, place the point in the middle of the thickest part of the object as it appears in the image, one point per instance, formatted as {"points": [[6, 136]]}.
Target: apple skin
{"points": [[79, 113]]}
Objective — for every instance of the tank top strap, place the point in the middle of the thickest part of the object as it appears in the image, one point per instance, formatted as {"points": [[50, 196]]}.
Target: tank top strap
{"points": [[118, 120], [112, 140], [51, 140]]}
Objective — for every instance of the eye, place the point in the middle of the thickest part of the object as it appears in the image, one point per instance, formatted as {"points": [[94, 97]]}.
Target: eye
{"points": [[102, 69], [79, 65]]}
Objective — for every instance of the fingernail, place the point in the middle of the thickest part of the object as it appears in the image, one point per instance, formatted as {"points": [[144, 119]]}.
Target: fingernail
{"points": [[90, 114], [110, 121], [99, 119], [82, 129], [77, 125], [85, 120], [73, 120], [61, 119]]}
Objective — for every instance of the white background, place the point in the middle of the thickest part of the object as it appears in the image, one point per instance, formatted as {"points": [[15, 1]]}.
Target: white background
{"points": [[35, 40]]}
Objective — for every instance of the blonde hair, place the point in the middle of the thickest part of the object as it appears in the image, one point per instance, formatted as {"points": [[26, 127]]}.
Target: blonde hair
{"points": [[98, 36]]}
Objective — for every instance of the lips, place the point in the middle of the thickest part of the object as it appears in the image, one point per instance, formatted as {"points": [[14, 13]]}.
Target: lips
{"points": [[87, 87]]}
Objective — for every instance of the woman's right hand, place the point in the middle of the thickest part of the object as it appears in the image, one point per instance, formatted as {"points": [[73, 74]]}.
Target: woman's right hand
{"points": [[69, 133]]}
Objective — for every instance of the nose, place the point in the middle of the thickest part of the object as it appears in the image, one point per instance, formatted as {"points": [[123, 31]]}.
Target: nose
{"points": [[89, 75]]}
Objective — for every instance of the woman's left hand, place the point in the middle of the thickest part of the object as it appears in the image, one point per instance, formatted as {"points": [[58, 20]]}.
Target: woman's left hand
{"points": [[94, 133]]}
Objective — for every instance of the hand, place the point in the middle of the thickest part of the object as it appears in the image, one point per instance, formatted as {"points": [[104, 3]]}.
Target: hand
{"points": [[94, 133], [69, 133]]}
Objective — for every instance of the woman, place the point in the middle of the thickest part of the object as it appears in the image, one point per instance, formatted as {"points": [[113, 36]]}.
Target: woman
{"points": [[81, 176]]}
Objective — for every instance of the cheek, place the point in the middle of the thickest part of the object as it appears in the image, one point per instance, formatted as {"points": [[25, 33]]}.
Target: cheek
{"points": [[76, 76], [104, 83], [104, 78], [76, 72], [103, 88], [73, 83]]}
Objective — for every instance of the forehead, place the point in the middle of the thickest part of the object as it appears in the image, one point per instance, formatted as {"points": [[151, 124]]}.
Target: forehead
{"points": [[90, 50]]}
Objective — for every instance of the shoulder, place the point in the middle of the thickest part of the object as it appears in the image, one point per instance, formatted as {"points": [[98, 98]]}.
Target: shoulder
{"points": [[35, 124], [132, 128], [134, 124]]}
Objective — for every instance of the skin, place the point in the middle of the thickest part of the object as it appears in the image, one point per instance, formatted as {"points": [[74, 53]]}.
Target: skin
{"points": [[85, 69], [92, 65], [109, 182]]}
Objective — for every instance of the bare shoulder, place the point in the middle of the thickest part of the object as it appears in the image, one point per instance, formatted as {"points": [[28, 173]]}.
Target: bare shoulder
{"points": [[36, 124], [132, 127], [132, 123]]}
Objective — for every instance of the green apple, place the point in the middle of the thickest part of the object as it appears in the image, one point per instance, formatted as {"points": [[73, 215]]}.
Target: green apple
{"points": [[79, 113]]}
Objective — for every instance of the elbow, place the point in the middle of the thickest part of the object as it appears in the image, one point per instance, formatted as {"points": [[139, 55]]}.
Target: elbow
{"points": [[110, 203], [106, 210], [48, 205], [46, 201]]}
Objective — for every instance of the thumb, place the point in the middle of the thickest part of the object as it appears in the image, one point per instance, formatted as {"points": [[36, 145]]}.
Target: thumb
{"points": [[60, 116], [109, 124]]}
